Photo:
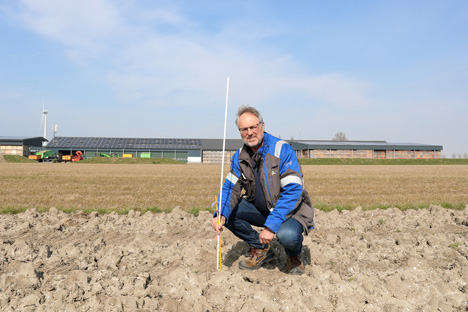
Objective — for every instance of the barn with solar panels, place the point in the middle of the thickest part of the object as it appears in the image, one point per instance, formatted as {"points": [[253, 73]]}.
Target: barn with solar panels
{"points": [[184, 150], [210, 150]]}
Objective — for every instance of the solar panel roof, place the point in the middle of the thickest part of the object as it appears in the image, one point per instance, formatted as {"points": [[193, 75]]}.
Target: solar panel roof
{"points": [[123, 143], [216, 144]]}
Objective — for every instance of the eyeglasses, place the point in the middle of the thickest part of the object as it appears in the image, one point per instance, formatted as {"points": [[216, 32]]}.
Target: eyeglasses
{"points": [[253, 128]]}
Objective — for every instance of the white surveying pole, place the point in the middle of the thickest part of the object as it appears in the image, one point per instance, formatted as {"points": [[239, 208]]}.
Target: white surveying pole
{"points": [[220, 205]]}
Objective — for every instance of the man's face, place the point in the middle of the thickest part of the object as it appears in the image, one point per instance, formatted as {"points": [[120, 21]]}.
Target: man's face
{"points": [[251, 130]]}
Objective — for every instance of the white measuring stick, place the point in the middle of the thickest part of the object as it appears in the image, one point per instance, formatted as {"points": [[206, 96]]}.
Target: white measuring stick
{"points": [[220, 205]]}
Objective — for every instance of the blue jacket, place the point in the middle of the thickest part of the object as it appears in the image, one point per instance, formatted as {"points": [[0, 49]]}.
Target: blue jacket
{"points": [[281, 180]]}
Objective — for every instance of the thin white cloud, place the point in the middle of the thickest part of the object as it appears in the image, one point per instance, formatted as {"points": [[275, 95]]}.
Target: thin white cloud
{"points": [[164, 17], [142, 63], [87, 25]]}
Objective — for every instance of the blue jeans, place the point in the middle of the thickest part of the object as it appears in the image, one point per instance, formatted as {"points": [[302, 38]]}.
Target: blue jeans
{"points": [[245, 214]]}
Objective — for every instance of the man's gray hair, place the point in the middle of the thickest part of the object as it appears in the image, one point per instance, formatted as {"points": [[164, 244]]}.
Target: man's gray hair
{"points": [[248, 109]]}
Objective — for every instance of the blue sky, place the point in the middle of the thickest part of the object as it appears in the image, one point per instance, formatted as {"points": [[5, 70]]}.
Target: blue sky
{"points": [[375, 70]]}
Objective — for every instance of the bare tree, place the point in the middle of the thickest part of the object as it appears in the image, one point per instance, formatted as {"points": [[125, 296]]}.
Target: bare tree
{"points": [[465, 155], [340, 136], [454, 155]]}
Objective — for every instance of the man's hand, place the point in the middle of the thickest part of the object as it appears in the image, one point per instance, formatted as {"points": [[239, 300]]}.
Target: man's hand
{"points": [[215, 226], [266, 236]]}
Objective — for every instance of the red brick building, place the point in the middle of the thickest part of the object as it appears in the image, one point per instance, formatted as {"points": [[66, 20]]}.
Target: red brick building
{"points": [[365, 149]]}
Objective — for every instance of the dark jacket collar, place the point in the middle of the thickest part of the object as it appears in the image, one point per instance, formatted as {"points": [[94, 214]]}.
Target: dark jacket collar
{"points": [[247, 151]]}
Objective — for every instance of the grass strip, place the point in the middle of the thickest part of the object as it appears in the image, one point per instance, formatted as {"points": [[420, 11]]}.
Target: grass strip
{"points": [[17, 159], [321, 161], [119, 160], [346, 161], [15, 210]]}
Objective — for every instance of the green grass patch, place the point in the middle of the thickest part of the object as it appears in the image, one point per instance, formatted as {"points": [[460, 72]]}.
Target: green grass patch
{"points": [[196, 211], [156, 210], [347, 161], [120, 160], [12, 210], [122, 211], [457, 206], [415, 206], [102, 211], [17, 159], [328, 208], [101, 160]]}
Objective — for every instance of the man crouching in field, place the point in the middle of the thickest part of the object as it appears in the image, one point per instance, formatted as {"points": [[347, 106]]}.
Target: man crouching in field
{"points": [[267, 169]]}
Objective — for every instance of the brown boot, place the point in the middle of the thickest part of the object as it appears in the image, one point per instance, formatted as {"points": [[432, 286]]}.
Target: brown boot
{"points": [[295, 265], [256, 259]]}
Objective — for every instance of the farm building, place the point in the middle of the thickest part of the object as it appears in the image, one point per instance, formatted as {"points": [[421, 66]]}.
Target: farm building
{"points": [[185, 150], [22, 146], [210, 150], [365, 149]]}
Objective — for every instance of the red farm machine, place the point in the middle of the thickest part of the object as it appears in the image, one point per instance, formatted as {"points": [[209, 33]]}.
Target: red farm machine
{"points": [[77, 157]]}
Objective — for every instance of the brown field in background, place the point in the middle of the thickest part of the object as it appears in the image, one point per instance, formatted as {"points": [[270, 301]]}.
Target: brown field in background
{"points": [[120, 188]]}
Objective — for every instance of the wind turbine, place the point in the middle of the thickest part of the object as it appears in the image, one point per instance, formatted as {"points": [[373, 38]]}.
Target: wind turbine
{"points": [[44, 119]]}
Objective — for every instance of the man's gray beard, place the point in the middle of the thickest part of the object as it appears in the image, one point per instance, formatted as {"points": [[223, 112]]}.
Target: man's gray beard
{"points": [[256, 145]]}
